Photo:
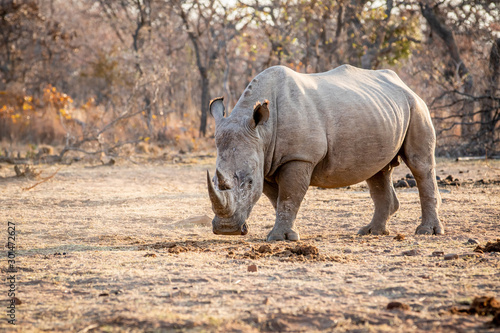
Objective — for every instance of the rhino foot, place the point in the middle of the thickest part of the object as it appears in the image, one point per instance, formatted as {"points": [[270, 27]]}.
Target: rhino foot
{"points": [[369, 229], [430, 229], [281, 236]]}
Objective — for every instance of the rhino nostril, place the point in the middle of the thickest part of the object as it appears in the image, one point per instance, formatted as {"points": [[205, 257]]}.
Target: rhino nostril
{"points": [[244, 229]]}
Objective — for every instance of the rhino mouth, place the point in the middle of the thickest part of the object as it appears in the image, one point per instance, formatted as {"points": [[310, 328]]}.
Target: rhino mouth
{"points": [[242, 230]]}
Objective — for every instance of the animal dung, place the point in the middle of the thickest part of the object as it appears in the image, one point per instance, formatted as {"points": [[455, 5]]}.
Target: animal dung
{"points": [[398, 306]]}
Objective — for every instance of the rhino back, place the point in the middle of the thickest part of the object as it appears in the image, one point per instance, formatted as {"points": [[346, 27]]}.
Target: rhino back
{"points": [[348, 122]]}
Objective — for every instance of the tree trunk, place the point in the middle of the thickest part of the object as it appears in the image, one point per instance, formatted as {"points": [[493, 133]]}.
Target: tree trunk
{"points": [[205, 101], [456, 65], [490, 105]]}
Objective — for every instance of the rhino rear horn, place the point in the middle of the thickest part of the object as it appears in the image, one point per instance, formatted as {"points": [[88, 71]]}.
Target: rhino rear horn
{"points": [[222, 182], [222, 201]]}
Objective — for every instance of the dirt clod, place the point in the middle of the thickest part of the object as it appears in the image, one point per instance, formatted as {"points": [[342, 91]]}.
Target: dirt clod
{"points": [[298, 253], [252, 268], [399, 237], [177, 249], [304, 250], [265, 249], [151, 255], [484, 306], [398, 306], [489, 247], [481, 306]]}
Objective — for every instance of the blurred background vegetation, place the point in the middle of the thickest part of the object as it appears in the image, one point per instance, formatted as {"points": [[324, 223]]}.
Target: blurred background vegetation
{"points": [[92, 76]]}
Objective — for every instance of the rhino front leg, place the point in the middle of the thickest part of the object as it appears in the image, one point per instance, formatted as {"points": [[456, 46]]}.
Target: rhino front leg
{"points": [[271, 191], [293, 181]]}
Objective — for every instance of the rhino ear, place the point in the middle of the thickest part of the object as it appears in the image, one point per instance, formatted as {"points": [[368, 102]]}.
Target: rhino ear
{"points": [[217, 108], [260, 113]]}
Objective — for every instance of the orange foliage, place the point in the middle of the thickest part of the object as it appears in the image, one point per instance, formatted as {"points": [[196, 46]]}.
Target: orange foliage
{"points": [[23, 115]]}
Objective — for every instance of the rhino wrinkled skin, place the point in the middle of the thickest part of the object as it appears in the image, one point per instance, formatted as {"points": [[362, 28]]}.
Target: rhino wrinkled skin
{"points": [[290, 131]]}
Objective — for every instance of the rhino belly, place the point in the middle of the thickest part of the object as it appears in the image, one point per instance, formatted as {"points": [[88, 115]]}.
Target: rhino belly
{"points": [[357, 156]]}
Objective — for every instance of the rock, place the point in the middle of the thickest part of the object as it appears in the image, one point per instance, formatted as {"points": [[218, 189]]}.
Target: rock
{"points": [[413, 252], [152, 255], [398, 306], [409, 176], [451, 256], [401, 183], [347, 251], [437, 253], [411, 182], [252, 268]]}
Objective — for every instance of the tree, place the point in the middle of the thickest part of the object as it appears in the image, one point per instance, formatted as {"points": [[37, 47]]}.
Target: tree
{"points": [[455, 64], [205, 27]]}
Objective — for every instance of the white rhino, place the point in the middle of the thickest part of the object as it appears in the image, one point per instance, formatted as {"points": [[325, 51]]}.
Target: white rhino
{"points": [[329, 130]]}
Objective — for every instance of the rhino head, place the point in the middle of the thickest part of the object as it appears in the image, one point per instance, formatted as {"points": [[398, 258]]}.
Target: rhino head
{"points": [[239, 174]]}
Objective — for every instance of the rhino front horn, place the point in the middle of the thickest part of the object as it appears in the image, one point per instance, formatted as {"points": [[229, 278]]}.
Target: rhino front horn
{"points": [[222, 201]]}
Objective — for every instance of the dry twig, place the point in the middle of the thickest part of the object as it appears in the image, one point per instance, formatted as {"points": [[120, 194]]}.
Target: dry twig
{"points": [[40, 182]]}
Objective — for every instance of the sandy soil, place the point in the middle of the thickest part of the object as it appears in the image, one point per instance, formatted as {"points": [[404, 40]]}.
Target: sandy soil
{"points": [[126, 248]]}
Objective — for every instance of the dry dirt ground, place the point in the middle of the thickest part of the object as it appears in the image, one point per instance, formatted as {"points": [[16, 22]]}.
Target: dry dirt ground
{"points": [[125, 248]]}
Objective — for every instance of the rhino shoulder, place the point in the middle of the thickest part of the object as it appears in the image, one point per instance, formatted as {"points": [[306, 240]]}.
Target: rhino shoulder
{"points": [[276, 70]]}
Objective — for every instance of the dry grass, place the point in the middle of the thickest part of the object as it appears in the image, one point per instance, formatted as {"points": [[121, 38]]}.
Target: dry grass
{"points": [[95, 254]]}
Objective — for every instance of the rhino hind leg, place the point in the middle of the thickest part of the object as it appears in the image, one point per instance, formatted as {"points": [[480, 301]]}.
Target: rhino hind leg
{"points": [[293, 181], [418, 154], [430, 200], [385, 200]]}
